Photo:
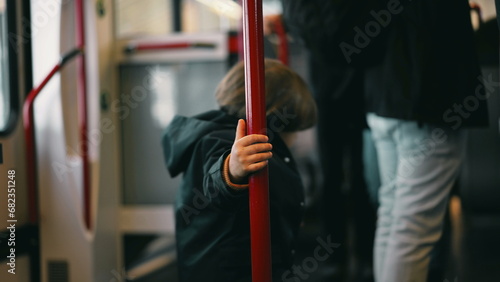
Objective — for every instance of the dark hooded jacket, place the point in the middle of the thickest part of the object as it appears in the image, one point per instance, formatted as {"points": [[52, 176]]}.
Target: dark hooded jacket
{"points": [[212, 220]]}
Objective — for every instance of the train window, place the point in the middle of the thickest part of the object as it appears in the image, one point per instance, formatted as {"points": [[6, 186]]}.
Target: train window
{"points": [[5, 97], [156, 17], [214, 15], [210, 15], [143, 17]]}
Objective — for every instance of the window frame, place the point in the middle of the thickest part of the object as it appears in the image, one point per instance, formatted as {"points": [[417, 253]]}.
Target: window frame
{"points": [[13, 69]]}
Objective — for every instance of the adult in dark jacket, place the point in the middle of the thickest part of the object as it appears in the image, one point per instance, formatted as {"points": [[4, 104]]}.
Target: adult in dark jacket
{"points": [[497, 7], [422, 84], [429, 72], [212, 209], [426, 88]]}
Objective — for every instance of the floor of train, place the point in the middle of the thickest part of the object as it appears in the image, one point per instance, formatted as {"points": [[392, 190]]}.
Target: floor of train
{"points": [[473, 254]]}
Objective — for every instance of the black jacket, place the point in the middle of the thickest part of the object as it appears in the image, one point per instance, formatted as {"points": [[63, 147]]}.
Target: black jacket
{"points": [[430, 72], [418, 64], [212, 220], [322, 25]]}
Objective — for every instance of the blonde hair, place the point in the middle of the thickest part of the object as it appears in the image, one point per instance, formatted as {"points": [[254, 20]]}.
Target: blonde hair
{"points": [[287, 96]]}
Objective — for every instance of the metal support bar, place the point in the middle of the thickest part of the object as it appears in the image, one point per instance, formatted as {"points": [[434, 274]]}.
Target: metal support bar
{"points": [[260, 233]]}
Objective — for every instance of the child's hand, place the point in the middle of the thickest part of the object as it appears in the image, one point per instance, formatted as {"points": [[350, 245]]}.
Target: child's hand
{"points": [[249, 153]]}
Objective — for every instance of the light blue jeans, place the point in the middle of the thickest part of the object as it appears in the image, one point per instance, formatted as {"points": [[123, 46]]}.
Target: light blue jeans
{"points": [[418, 167]]}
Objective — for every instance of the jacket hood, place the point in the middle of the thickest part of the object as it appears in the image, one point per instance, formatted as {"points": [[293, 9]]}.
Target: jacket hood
{"points": [[182, 134]]}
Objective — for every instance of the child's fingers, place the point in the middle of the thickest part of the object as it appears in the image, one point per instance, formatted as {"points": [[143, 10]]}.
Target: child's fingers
{"points": [[241, 130], [260, 157], [257, 148], [257, 166], [246, 158], [249, 152], [252, 139]]}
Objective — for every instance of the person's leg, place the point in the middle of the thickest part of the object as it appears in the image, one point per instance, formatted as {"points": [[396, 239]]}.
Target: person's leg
{"points": [[338, 91], [361, 208], [439, 256], [387, 155], [333, 200], [370, 164], [429, 160]]}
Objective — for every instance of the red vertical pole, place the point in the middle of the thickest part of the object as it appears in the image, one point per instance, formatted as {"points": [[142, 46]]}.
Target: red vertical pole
{"points": [[283, 42], [82, 111], [260, 233]]}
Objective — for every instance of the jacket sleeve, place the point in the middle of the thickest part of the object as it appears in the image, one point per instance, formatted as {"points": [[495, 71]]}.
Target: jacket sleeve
{"points": [[215, 149]]}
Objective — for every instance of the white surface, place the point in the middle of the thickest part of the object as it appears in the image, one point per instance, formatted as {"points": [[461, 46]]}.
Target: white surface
{"points": [[91, 255], [147, 219]]}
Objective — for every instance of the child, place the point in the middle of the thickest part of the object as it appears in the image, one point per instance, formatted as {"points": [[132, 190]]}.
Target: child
{"points": [[216, 158]]}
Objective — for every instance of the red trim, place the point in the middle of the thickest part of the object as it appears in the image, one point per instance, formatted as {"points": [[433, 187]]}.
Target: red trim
{"points": [[233, 44], [29, 124], [256, 120], [167, 46], [162, 46], [82, 113], [29, 135], [279, 29]]}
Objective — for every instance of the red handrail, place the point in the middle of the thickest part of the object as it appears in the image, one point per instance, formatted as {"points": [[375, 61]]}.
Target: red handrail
{"points": [[29, 135], [82, 112], [279, 29], [82, 117], [28, 122], [256, 120], [167, 46]]}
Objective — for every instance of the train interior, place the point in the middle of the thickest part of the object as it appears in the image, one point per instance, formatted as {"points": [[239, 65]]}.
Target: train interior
{"points": [[114, 73]]}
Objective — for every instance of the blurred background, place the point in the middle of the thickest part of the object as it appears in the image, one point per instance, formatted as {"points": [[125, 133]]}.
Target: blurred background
{"points": [[93, 199]]}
